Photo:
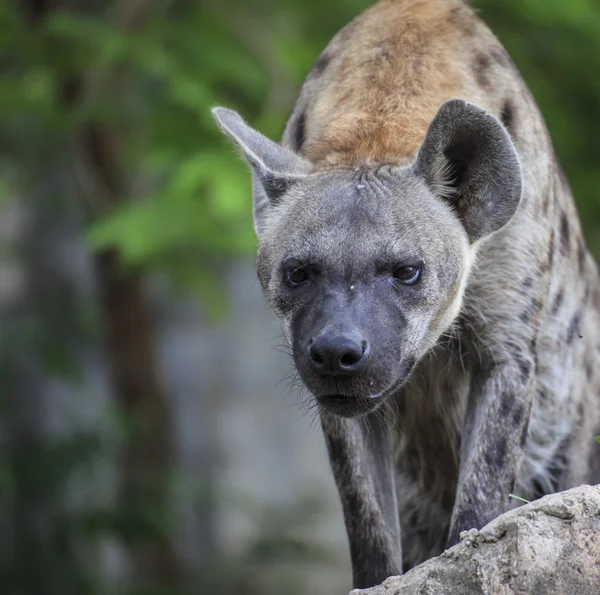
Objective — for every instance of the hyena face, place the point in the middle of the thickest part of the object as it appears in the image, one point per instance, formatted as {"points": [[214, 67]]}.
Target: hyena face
{"points": [[365, 270], [366, 267]]}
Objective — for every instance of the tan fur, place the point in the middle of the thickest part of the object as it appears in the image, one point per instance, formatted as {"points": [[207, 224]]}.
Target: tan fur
{"points": [[390, 70]]}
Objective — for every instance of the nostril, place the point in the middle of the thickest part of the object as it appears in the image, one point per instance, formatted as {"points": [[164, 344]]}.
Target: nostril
{"points": [[316, 357], [350, 358]]}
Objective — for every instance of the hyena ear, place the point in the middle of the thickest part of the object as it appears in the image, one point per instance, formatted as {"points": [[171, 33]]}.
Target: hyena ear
{"points": [[274, 168], [468, 158]]}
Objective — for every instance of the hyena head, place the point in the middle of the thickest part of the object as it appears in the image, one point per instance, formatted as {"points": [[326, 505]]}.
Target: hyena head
{"points": [[366, 267]]}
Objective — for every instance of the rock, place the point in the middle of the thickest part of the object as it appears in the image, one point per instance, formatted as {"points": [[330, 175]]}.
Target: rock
{"points": [[550, 546]]}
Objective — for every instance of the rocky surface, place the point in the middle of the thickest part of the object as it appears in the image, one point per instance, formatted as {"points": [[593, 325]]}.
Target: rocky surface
{"points": [[550, 546]]}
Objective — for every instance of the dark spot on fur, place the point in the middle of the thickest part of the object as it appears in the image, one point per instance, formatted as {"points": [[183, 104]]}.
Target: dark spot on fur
{"points": [[547, 265], [581, 256], [338, 451], [532, 309], [506, 403], [565, 232], [502, 58], [456, 15], [523, 363], [573, 329], [586, 294], [412, 461], [557, 303], [596, 298], [549, 195], [524, 367], [589, 370], [480, 69], [276, 187], [507, 115], [300, 131], [463, 20], [524, 431], [495, 456], [542, 394], [546, 204], [517, 416], [559, 460], [321, 64], [536, 489], [528, 282], [527, 314]]}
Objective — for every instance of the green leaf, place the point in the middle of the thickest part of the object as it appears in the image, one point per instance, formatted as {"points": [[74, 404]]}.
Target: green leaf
{"points": [[519, 498]]}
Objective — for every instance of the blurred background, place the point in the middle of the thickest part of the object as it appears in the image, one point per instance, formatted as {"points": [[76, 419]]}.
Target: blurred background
{"points": [[150, 442]]}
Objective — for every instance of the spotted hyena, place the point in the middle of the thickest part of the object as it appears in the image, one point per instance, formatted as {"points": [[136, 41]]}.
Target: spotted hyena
{"points": [[419, 242]]}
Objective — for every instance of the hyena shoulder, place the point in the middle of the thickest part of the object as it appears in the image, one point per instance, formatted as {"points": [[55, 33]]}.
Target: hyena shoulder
{"points": [[374, 90]]}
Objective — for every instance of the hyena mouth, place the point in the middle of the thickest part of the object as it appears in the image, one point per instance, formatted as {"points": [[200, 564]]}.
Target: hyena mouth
{"points": [[349, 405]]}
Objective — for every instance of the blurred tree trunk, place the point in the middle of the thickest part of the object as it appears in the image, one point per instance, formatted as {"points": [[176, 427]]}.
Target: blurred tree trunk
{"points": [[147, 455], [147, 458]]}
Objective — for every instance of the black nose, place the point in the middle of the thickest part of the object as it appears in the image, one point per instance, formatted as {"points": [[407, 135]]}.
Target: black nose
{"points": [[335, 352]]}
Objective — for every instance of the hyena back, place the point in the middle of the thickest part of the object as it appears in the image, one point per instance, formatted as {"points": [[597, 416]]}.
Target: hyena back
{"points": [[420, 244]]}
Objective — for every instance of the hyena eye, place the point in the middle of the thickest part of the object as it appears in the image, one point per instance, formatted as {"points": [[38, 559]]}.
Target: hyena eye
{"points": [[294, 277], [407, 275]]}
